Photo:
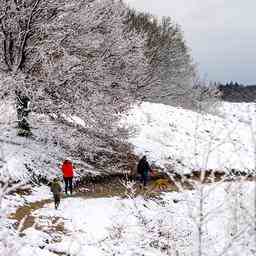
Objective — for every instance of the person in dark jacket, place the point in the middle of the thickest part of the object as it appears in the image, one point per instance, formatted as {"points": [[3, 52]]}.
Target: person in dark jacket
{"points": [[143, 169], [56, 190]]}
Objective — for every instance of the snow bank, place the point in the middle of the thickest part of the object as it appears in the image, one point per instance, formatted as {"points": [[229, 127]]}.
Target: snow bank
{"points": [[188, 140]]}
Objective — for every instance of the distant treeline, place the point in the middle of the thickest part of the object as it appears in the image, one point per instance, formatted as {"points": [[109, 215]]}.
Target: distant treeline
{"points": [[235, 92]]}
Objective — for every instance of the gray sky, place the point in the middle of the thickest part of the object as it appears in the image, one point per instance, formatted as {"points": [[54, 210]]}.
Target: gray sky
{"points": [[220, 33]]}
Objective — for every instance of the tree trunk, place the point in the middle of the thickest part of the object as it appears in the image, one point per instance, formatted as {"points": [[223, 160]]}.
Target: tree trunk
{"points": [[22, 107]]}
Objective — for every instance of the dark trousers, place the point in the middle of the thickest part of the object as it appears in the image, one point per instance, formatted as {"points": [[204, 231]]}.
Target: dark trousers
{"points": [[56, 200], [68, 184], [144, 178]]}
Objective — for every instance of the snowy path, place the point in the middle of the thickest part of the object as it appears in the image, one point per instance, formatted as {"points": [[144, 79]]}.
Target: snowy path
{"points": [[144, 226], [117, 189], [104, 190], [95, 220]]}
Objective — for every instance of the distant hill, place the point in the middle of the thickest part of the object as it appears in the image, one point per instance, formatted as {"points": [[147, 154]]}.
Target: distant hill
{"points": [[238, 93]]}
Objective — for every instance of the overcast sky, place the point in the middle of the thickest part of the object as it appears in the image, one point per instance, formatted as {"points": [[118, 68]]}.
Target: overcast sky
{"points": [[220, 33]]}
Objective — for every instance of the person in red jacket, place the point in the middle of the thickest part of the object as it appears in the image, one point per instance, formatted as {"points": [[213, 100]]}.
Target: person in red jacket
{"points": [[68, 174]]}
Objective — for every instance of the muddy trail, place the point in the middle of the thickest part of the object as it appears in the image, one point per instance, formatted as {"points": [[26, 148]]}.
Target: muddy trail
{"points": [[115, 187], [104, 188]]}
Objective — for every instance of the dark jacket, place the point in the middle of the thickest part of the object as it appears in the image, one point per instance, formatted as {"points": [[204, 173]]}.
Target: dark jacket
{"points": [[143, 166], [55, 188]]}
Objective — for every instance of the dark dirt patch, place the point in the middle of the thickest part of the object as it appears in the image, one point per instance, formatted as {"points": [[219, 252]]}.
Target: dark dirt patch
{"points": [[25, 212]]}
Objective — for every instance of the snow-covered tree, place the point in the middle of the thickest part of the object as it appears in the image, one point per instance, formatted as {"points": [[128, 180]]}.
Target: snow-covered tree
{"points": [[74, 52], [74, 59], [168, 55]]}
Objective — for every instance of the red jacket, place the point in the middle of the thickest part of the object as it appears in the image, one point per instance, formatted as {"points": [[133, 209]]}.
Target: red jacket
{"points": [[67, 169]]}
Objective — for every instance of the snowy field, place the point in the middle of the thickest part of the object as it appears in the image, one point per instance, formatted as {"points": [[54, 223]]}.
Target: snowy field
{"points": [[139, 226], [219, 217], [186, 140], [182, 139]]}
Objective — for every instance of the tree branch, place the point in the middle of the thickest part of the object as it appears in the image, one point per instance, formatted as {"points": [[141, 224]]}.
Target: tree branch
{"points": [[20, 56]]}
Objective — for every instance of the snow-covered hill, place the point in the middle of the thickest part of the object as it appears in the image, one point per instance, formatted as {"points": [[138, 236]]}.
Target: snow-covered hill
{"points": [[187, 140], [28, 158], [220, 214], [180, 139], [38, 157]]}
